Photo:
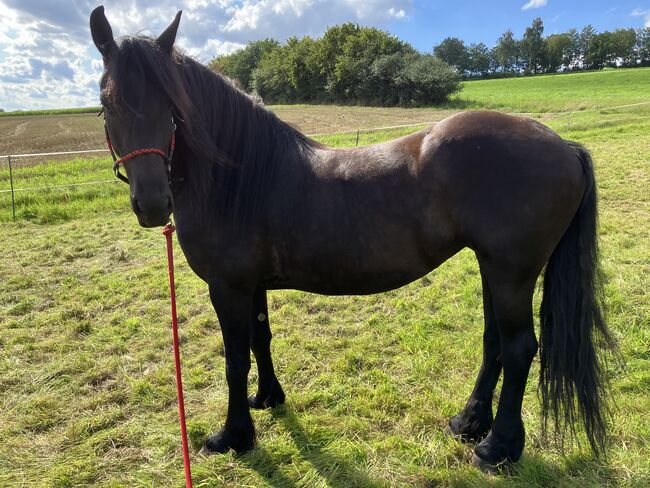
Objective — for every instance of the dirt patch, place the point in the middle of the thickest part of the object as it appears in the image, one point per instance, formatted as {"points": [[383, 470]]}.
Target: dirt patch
{"points": [[71, 132]]}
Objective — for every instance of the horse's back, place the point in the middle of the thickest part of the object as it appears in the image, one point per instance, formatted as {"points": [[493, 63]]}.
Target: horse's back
{"points": [[373, 218], [509, 181]]}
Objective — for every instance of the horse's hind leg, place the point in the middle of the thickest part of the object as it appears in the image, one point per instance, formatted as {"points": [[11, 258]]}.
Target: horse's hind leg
{"points": [[475, 421], [269, 392], [512, 303]]}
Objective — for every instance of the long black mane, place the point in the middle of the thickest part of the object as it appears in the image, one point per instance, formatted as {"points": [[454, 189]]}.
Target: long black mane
{"points": [[229, 145]]}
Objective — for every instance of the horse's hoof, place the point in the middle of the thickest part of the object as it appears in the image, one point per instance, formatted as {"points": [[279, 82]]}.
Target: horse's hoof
{"points": [[467, 430], [271, 400], [484, 465], [449, 432], [224, 440]]}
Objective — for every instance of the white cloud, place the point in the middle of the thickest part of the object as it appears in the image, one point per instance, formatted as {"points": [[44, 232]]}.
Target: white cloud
{"points": [[47, 58], [637, 12], [534, 4], [283, 18], [397, 14], [212, 48]]}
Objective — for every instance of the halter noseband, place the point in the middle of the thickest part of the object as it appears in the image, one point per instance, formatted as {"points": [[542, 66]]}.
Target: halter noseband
{"points": [[167, 158]]}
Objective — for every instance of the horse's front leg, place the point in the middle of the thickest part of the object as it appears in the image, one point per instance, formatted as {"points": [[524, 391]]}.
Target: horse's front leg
{"points": [[269, 392], [233, 307]]}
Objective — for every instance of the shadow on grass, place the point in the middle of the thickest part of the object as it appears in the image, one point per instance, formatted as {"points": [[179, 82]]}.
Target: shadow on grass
{"points": [[339, 470], [334, 469], [532, 472]]}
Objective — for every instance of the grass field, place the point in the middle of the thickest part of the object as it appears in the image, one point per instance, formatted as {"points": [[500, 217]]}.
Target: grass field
{"points": [[55, 111], [555, 93], [85, 358]]}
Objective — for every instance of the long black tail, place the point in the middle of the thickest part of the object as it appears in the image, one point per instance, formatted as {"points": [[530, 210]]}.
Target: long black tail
{"points": [[573, 328]]}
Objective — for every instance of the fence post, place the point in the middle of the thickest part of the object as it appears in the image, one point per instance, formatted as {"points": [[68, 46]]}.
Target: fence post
{"points": [[357, 142], [11, 183]]}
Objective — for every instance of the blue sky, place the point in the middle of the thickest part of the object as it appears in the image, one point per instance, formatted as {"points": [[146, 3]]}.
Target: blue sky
{"points": [[47, 59]]}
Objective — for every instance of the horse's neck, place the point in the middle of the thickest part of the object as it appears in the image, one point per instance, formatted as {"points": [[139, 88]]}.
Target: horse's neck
{"points": [[226, 180], [236, 112]]}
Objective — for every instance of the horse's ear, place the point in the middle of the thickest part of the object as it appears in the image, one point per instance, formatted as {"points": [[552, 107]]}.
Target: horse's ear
{"points": [[167, 38], [102, 32]]}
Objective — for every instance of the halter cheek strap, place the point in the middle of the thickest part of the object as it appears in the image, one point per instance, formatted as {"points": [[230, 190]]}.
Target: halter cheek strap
{"points": [[167, 158]]}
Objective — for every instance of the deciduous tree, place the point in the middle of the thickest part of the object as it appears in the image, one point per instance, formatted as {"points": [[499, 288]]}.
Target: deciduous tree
{"points": [[532, 46], [506, 53], [453, 52]]}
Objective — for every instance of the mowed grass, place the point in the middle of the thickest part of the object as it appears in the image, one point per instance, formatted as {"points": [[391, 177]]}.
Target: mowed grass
{"points": [[555, 93], [86, 369], [59, 191]]}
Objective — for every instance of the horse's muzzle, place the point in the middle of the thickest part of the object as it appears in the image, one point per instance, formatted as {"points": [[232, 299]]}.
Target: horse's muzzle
{"points": [[153, 212]]}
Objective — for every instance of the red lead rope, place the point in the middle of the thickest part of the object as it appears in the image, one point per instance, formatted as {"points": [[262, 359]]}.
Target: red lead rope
{"points": [[168, 231]]}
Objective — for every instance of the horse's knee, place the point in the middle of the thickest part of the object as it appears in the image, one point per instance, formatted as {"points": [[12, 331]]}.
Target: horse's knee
{"points": [[518, 352], [260, 334], [237, 369]]}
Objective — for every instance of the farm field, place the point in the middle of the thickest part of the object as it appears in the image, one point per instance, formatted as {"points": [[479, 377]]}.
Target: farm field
{"points": [[85, 354], [63, 132], [574, 92]]}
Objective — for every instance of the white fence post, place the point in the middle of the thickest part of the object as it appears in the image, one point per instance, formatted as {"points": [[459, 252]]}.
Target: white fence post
{"points": [[11, 183]]}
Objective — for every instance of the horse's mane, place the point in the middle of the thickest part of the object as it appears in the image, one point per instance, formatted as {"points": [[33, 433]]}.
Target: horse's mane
{"points": [[218, 126]]}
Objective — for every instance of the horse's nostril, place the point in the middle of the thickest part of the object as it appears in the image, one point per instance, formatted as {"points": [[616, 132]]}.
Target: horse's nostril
{"points": [[136, 206], [170, 203]]}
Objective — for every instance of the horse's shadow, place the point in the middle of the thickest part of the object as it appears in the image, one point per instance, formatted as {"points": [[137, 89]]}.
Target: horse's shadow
{"points": [[333, 469]]}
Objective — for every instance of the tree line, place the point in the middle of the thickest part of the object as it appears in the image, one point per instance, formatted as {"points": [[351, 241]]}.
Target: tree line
{"points": [[348, 64], [354, 64], [533, 53]]}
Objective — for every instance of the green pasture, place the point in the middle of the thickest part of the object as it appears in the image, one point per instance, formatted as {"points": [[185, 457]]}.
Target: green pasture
{"points": [[53, 111], [86, 371], [557, 93]]}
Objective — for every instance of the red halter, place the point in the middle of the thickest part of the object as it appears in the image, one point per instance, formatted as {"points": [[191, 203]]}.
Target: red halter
{"points": [[167, 158]]}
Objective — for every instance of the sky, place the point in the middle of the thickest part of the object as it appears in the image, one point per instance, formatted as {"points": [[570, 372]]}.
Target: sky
{"points": [[48, 60]]}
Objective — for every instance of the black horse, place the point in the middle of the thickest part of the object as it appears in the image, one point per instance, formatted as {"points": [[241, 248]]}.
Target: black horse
{"points": [[259, 206]]}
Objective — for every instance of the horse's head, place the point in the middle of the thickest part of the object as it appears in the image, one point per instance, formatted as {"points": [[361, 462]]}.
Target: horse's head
{"points": [[139, 116]]}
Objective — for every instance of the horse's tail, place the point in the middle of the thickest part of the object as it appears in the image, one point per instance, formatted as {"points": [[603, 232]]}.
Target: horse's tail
{"points": [[573, 327]]}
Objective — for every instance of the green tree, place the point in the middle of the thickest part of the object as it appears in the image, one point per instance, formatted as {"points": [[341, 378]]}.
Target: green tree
{"points": [[270, 78], [624, 46], [572, 54], [453, 52], [385, 80], [506, 53], [601, 51], [302, 69], [643, 46], [411, 79], [479, 60], [353, 64], [239, 65], [427, 79], [329, 47], [532, 46], [586, 38], [558, 51]]}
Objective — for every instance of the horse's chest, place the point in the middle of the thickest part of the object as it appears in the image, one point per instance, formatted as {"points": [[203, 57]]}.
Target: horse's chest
{"points": [[197, 253]]}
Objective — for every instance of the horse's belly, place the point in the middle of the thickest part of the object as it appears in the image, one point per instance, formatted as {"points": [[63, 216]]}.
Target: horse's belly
{"points": [[353, 284], [358, 271]]}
